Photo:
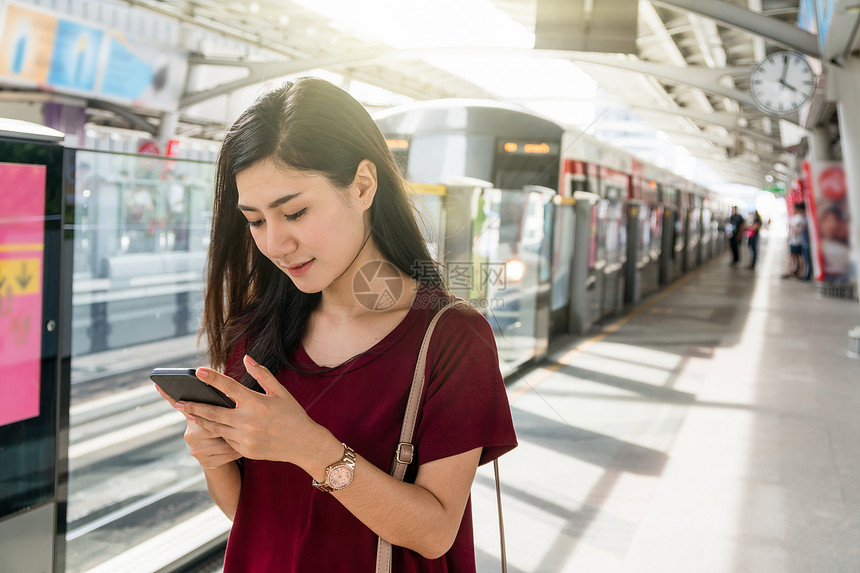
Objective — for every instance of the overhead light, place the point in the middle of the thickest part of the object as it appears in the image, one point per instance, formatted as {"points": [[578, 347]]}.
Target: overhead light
{"points": [[254, 7], [283, 20]]}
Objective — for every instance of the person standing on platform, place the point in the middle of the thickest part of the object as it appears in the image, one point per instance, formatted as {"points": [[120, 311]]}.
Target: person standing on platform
{"points": [[805, 245], [796, 230], [320, 290], [736, 233], [753, 236]]}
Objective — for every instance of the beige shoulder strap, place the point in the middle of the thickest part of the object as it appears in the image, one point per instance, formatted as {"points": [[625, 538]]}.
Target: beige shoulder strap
{"points": [[405, 450]]}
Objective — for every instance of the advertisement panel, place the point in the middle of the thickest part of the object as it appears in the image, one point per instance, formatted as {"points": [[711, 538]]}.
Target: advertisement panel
{"points": [[830, 220], [22, 209], [75, 60], [142, 73], [43, 49], [27, 43]]}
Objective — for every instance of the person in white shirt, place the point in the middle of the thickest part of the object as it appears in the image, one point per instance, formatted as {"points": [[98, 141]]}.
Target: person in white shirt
{"points": [[796, 229]]}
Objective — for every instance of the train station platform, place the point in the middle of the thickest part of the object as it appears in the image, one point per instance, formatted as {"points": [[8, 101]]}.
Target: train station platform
{"points": [[713, 429]]}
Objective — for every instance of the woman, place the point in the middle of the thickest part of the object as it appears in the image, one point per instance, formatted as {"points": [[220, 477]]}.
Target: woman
{"points": [[753, 236], [320, 289]]}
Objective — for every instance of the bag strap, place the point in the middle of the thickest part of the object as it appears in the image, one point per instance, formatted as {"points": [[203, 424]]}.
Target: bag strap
{"points": [[405, 452]]}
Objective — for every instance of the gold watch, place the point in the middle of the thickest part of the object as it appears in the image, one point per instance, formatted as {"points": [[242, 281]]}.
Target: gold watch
{"points": [[339, 474]]}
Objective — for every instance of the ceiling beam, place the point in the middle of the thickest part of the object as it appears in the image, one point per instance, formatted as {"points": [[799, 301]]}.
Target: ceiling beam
{"points": [[739, 18], [259, 72], [700, 77], [725, 119]]}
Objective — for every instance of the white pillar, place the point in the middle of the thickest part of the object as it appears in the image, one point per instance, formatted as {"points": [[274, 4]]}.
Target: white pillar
{"points": [[819, 145], [847, 88], [167, 129]]}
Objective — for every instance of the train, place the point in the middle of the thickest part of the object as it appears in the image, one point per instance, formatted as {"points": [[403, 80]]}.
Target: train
{"points": [[560, 230]]}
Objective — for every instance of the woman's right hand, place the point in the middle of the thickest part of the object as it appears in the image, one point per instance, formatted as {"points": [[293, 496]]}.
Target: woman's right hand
{"points": [[209, 449]]}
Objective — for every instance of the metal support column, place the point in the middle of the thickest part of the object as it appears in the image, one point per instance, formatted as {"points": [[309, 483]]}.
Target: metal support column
{"points": [[819, 145], [847, 88]]}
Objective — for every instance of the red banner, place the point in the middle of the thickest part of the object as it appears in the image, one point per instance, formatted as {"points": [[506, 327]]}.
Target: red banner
{"points": [[830, 220]]}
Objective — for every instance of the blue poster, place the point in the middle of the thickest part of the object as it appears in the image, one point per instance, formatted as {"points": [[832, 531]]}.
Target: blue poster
{"points": [[76, 54], [824, 14], [806, 18], [126, 75]]}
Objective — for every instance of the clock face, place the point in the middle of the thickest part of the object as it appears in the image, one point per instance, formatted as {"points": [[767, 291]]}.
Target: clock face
{"points": [[782, 82]]}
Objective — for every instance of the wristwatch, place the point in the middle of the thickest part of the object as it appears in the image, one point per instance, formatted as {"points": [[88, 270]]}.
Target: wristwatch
{"points": [[339, 474]]}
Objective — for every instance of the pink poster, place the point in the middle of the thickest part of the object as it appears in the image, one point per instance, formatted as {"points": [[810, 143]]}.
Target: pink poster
{"points": [[22, 208]]}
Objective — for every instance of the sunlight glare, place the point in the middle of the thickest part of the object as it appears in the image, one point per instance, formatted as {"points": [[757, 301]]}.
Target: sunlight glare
{"points": [[413, 24]]}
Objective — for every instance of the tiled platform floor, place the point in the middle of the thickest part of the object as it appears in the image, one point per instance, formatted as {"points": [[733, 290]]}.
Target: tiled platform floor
{"points": [[714, 429]]}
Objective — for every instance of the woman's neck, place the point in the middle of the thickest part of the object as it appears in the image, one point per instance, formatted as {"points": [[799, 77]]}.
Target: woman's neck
{"points": [[370, 284]]}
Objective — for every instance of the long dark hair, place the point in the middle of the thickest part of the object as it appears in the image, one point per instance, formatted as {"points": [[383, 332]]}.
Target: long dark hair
{"points": [[313, 126]]}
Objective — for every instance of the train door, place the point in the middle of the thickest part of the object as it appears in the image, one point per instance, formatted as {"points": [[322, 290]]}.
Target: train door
{"points": [[564, 228], [680, 246], [693, 255], [652, 240], [667, 260], [537, 236], [573, 180], [585, 275], [614, 187], [638, 246], [707, 234], [691, 240], [502, 263], [599, 215]]}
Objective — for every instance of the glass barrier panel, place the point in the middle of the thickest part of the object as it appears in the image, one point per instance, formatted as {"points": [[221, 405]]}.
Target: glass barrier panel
{"points": [[140, 239], [141, 236], [508, 249]]}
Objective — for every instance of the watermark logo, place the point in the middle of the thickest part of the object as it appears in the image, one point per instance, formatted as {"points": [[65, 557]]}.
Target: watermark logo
{"points": [[377, 285], [477, 277]]}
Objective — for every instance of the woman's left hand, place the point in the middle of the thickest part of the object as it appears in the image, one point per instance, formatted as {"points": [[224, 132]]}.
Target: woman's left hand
{"points": [[270, 426]]}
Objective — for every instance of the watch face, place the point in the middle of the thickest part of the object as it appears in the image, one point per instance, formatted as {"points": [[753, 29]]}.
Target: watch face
{"points": [[782, 82], [340, 476]]}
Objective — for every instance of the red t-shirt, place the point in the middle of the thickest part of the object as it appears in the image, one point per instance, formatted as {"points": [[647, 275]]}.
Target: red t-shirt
{"points": [[283, 524]]}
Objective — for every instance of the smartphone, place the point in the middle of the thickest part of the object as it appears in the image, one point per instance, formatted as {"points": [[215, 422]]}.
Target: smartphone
{"points": [[182, 384]]}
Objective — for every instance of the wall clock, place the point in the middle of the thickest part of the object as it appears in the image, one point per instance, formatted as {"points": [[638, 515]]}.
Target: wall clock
{"points": [[782, 82]]}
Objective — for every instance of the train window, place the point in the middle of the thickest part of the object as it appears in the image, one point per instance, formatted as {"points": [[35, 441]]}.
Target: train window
{"points": [[520, 163], [436, 157]]}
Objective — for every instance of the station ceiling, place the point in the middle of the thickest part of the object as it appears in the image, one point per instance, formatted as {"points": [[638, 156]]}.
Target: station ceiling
{"points": [[688, 77]]}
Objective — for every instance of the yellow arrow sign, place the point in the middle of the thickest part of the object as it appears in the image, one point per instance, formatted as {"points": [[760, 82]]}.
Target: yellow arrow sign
{"points": [[21, 276]]}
